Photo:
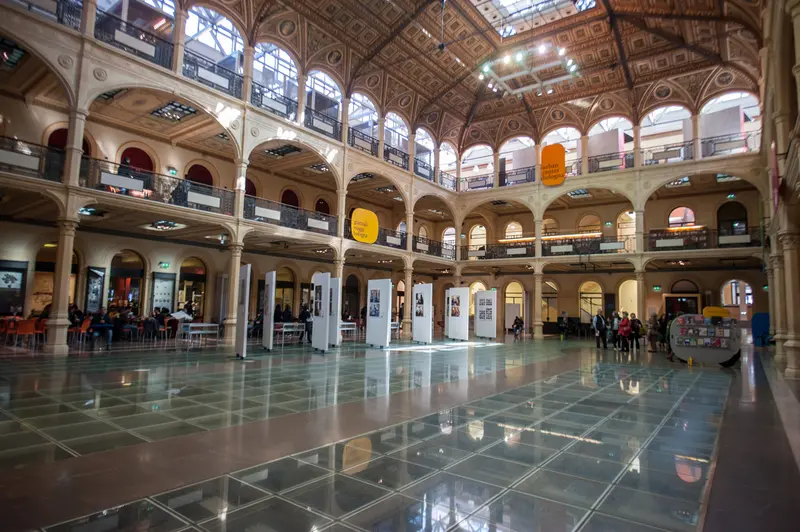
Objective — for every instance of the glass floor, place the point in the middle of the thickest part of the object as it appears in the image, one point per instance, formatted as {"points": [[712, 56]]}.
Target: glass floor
{"points": [[53, 409], [609, 447]]}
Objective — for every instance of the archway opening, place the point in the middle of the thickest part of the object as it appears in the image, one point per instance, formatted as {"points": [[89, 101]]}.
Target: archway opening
{"points": [[422, 232], [289, 197], [475, 287], [362, 117], [250, 187], [681, 217], [665, 137], [44, 277], [448, 162], [515, 296], [732, 219], [322, 207], [323, 99], [626, 229], [737, 297], [424, 147], [275, 80], [684, 297], [126, 280], [628, 298], [517, 161], [477, 168], [200, 174], [395, 133], [213, 36], [58, 139], [284, 293], [610, 144], [192, 287], [136, 159], [730, 123], [590, 296], [589, 223], [399, 302], [477, 237], [351, 298], [549, 302], [513, 230], [570, 138]]}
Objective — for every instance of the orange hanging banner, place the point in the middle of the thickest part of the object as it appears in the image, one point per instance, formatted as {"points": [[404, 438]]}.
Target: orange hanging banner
{"points": [[554, 165]]}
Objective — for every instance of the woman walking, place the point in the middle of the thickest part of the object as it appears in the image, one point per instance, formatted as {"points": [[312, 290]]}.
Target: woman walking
{"points": [[624, 332], [652, 333]]}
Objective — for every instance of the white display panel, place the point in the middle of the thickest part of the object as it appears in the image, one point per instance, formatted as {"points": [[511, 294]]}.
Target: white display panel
{"points": [[269, 310], [320, 307], [458, 328], [446, 313], [422, 313], [241, 312], [512, 311], [379, 312], [335, 291], [486, 314]]}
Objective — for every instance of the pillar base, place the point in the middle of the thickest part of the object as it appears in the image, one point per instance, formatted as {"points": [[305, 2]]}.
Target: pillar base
{"points": [[229, 333], [792, 351], [406, 330], [60, 350], [538, 333]]}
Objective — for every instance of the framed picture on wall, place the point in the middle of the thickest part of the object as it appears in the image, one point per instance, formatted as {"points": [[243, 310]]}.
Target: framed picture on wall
{"points": [[13, 279], [95, 279]]}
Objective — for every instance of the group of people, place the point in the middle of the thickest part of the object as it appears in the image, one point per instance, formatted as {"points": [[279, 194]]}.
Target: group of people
{"points": [[622, 329]]}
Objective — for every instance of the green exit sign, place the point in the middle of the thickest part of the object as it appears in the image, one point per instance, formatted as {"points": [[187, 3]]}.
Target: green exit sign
{"points": [[656, 288]]}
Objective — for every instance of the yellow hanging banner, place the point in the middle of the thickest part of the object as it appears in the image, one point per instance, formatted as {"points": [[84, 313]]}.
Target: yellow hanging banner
{"points": [[554, 165], [364, 226]]}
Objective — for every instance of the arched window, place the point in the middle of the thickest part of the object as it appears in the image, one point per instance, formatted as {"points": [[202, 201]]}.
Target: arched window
{"points": [[732, 219], [549, 226], [395, 132], [136, 158], [210, 35], [549, 301], [200, 174], [477, 237], [447, 158], [284, 289], [192, 286], [423, 232], [591, 299], [731, 296], [628, 297], [664, 126], [401, 227], [477, 286], [515, 295], [250, 187], [449, 236], [518, 152], [58, 139], [684, 286], [569, 137], [322, 206], [274, 69], [589, 223], [362, 116], [621, 126], [125, 282], [626, 229], [748, 105], [323, 94], [514, 230], [681, 217], [477, 160], [290, 198], [423, 147]]}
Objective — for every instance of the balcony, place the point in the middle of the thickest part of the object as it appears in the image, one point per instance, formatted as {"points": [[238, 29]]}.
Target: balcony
{"points": [[64, 12], [573, 166], [447, 180], [273, 102], [126, 181], [691, 238], [477, 182], [395, 156], [423, 169], [31, 160], [272, 212], [132, 39], [508, 250], [210, 74], [322, 123], [594, 243], [669, 153], [434, 248], [361, 141], [386, 237], [611, 161], [518, 176], [731, 144]]}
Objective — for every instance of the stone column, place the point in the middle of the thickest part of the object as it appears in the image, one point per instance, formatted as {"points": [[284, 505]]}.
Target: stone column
{"points": [[247, 73], [74, 148], [538, 167], [776, 260], [412, 150], [241, 185], [436, 166], [771, 294], [537, 307], [459, 186], [496, 177], [58, 322], [341, 212], [790, 243], [407, 304], [794, 11], [538, 234], [697, 140], [584, 155], [88, 17], [179, 40], [234, 263], [409, 230], [381, 136], [639, 221], [345, 119], [339, 269], [301, 98], [641, 296], [637, 146]]}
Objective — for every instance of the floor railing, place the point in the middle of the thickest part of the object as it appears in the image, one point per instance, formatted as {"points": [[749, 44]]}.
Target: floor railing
{"points": [[65, 12], [209, 73], [272, 101], [31, 160], [322, 123], [362, 141], [135, 40], [395, 156], [273, 212]]}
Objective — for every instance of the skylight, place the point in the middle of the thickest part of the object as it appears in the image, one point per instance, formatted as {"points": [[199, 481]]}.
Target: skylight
{"points": [[282, 151], [509, 17], [725, 178], [682, 182], [174, 111], [581, 193]]}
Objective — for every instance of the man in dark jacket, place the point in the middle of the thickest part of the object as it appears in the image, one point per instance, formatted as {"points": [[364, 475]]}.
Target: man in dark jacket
{"points": [[102, 326], [599, 325], [305, 317]]}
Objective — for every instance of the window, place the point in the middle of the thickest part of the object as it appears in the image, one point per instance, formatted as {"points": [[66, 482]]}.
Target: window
{"points": [[323, 94], [396, 132], [274, 69], [681, 217], [447, 158], [591, 299], [514, 230], [477, 236], [213, 36], [401, 227], [449, 236], [732, 219], [290, 198], [518, 153], [590, 223], [549, 226], [423, 147], [423, 232], [477, 160], [362, 115]]}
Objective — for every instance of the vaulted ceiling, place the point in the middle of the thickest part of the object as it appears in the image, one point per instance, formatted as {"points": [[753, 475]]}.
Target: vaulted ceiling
{"points": [[422, 58]]}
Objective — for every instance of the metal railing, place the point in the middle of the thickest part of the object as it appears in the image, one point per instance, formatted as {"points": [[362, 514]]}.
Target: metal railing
{"points": [[573, 166], [65, 12], [386, 237], [272, 101], [434, 247], [477, 182], [361, 141], [395, 156], [127, 181], [132, 39], [611, 161], [447, 180], [592, 244], [273, 212], [668, 153], [702, 238], [423, 169], [730, 144], [509, 250], [519, 175], [322, 123], [209, 73], [31, 160]]}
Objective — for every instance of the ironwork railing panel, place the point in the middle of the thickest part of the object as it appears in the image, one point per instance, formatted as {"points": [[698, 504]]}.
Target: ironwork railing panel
{"points": [[611, 161], [477, 182], [322, 123], [395, 156], [273, 212], [669, 153], [520, 175], [272, 101], [423, 169], [65, 12], [361, 141], [132, 39], [731, 144], [209, 73], [447, 180], [31, 160]]}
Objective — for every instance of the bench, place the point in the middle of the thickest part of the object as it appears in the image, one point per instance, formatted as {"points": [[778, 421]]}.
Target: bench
{"points": [[395, 326], [199, 330], [351, 327], [288, 328]]}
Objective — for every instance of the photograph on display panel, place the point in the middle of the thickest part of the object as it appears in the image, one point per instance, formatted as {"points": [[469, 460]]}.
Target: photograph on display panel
{"points": [[455, 308], [318, 300], [419, 306], [374, 303]]}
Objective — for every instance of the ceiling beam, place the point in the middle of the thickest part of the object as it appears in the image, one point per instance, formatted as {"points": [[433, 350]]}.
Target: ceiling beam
{"points": [[754, 30], [612, 21], [409, 19]]}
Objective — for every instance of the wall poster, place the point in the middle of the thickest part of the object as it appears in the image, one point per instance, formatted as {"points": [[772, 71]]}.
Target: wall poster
{"points": [[374, 303], [317, 301]]}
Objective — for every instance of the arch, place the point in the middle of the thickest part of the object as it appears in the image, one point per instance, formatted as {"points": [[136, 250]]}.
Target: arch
{"points": [[549, 226], [392, 177], [250, 187], [23, 43], [589, 223], [422, 231], [513, 142], [470, 160], [684, 286], [226, 32], [737, 296], [44, 276], [681, 217], [322, 206], [477, 236], [732, 218], [276, 69], [362, 114], [192, 282], [323, 94], [561, 134], [449, 236], [617, 188], [660, 111], [141, 158], [724, 99], [514, 293], [628, 297], [626, 229], [285, 286], [395, 131], [401, 227], [290, 197], [609, 123], [127, 273], [424, 146], [549, 300], [199, 173], [474, 287], [57, 138], [351, 296], [513, 230], [448, 157], [761, 185], [590, 298]]}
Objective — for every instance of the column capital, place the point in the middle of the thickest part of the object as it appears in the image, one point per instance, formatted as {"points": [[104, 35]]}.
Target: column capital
{"points": [[789, 241], [538, 276], [235, 247], [776, 261], [640, 276], [78, 114], [241, 162], [68, 225], [338, 262]]}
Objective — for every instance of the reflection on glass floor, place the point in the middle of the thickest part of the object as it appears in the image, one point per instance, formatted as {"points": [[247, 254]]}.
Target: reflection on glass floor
{"points": [[55, 409], [610, 448]]}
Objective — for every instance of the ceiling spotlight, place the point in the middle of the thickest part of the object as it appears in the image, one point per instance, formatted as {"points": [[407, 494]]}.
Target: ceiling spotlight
{"points": [[486, 68], [572, 68], [480, 76], [538, 93], [507, 59], [494, 89], [519, 57], [490, 84], [549, 90], [569, 62], [542, 48], [561, 51]]}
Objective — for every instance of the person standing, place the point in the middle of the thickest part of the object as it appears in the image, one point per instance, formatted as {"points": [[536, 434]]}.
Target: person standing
{"points": [[563, 324], [615, 330], [287, 314], [636, 331], [652, 333], [599, 324], [624, 332], [305, 317]]}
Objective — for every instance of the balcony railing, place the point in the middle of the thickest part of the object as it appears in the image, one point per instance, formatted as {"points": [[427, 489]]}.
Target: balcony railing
{"points": [[386, 237], [520, 175], [611, 161], [573, 166], [31, 160], [132, 39], [361, 141], [395, 156], [509, 250], [65, 12], [126, 181], [209, 73], [423, 169], [730, 144], [669, 153], [447, 180], [272, 212], [689, 238], [272, 101], [435, 248], [586, 244], [322, 123], [477, 182]]}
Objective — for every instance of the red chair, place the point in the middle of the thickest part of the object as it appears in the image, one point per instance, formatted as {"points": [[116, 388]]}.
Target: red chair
{"points": [[80, 331], [25, 328], [41, 330]]}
